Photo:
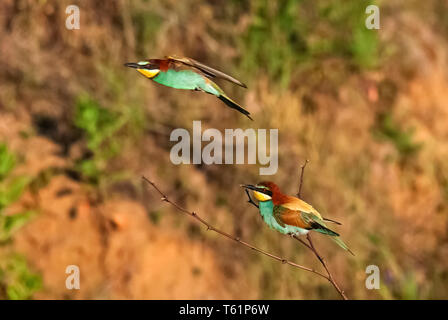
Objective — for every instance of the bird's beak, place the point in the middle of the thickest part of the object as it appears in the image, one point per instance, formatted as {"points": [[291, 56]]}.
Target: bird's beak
{"points": [[132, 65], [257, 189], [249, 186]]}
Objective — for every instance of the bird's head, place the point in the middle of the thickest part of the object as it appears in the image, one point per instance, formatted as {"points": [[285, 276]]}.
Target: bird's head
{"points": [[263, 191], [149, 68]]}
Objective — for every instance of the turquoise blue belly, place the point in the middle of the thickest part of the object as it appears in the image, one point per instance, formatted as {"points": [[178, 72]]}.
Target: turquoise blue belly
{"points": [[184, 79]]}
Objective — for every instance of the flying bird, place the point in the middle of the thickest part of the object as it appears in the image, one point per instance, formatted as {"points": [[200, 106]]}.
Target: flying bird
{"points": [[290, 215], [188, 74]]}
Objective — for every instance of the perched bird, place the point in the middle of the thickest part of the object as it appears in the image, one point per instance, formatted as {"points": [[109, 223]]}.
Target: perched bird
{"points": [[188, 74], [290, 215]]}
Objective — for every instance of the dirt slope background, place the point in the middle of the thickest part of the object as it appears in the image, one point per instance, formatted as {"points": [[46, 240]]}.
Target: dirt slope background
{"points": [[368, 108]]}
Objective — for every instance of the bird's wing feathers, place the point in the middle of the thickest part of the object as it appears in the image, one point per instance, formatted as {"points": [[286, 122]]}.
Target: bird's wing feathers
{"points": [[294, 203], [298, 213], [208, 71], [331, 220], [277, 213], [317, 224], [297, 204], [290, 217]]}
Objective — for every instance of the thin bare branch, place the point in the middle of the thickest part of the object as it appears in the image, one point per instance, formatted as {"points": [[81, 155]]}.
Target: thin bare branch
{"points": [[301, 241], [302, 171], [229, 236], [324, 264], [310, 244]]}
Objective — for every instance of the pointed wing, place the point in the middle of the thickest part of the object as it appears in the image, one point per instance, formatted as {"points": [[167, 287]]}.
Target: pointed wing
{"points": [[297, 204], [317, 224], [306, 220], [332, 221], [208, 71], [298, 213], [294, 203], [285, 216]]}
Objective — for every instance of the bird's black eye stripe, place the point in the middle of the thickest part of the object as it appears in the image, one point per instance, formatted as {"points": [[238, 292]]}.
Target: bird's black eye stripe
{"points": [[265, 191], [260, 189]]}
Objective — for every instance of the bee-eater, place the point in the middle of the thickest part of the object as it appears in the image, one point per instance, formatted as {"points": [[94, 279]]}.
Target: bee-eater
{"points": [[187, 74], [290, 215]]}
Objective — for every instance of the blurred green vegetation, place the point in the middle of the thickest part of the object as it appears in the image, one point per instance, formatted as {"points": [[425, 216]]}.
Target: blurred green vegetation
{"points": [[100, 127], [288, 35], [146, 23], [390, 130], [106, 131], [11, 188], [16, 280]]}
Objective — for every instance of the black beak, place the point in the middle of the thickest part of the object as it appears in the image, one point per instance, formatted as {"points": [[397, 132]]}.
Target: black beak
{"points": [[261, 190], [249, 186], [132, 65]]}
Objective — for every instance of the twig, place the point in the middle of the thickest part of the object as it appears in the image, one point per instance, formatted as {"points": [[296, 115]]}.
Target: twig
{"points": [[302, 167], [301, 241], [311, 245], [322, 261], [229, 236]]}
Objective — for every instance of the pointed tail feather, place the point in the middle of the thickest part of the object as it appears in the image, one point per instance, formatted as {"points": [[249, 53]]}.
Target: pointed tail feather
{"points": [[333, 221], [319, 227], [232, 104], [342, 244]]}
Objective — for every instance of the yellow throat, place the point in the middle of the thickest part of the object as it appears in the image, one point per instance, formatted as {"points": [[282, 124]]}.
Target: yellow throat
{"points": [[261, 196], [149, 73]]}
